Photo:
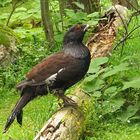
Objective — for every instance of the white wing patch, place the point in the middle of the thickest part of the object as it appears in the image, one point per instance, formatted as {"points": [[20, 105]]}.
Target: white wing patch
{"points": [[50, 80]]}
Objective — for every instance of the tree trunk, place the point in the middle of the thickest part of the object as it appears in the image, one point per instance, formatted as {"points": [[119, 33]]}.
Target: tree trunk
{"points": [[47, 21], [68, 123], [62, 5], [130, 4], [91, 6]]}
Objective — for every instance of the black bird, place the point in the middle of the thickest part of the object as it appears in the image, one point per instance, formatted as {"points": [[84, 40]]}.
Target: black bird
{"points": [[56, 73]]}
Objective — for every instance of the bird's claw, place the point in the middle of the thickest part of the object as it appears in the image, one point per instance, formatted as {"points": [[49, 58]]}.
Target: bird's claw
{"points": [[66, 100], [69, 102]]}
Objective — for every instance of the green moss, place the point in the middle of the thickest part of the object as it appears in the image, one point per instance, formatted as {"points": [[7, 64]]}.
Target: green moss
{"points": [[4, 39], [6, 34]]}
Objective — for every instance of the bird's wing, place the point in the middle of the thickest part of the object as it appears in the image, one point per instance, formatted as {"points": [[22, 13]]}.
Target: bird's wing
{"points": [[47, 69]]}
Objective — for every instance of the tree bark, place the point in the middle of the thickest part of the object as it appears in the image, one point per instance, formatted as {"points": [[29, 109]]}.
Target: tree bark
{"points": [[62, 4], [91, 6], [130, 4], [68, 123], [47, 21], [100, 44]]}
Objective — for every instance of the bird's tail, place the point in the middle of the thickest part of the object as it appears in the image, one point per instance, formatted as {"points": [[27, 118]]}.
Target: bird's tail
{"points": [[17, 111]]}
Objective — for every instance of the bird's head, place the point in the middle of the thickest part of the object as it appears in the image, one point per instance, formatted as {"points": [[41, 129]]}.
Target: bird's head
{"points": [[75, 33]]}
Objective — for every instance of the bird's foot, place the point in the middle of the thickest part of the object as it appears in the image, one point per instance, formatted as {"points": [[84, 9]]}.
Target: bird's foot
{"points": [[68, 101]]}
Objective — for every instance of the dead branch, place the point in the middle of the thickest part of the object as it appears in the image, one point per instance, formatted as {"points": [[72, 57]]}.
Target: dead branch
{"points": [[15, 5], [127, 34], [126, 37], [101, 43]]}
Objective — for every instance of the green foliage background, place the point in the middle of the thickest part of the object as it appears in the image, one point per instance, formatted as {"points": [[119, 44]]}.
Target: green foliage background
{"points": [[113, 83]]}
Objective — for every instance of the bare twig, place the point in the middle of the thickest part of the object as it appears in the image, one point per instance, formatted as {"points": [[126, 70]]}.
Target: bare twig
{"points": [[126, 25], [47, 21], [14, 6], [126, 37], [132, 5], [134, 14], [61, 9]]}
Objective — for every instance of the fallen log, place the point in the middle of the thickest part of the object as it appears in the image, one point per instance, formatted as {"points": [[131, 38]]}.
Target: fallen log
{"points": [[8, 48], [101, 42], [68, 123]]}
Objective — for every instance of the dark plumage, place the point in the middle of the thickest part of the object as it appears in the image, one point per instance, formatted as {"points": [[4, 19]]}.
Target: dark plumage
{"points": [[56, 73]]}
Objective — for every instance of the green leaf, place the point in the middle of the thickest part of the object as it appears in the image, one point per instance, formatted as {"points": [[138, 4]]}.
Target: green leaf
{"points": [[111, 91], [79, 5], [4, 2], [112, 105], [90, 78], [136, 117], [92, 22], [134, 84], [21, 9], [93, 15], [69, 12], [99, 61], [116, 69], [93, 85], [97, 94], [131, 111], [94, 65], [93, 70], [88, 87]]}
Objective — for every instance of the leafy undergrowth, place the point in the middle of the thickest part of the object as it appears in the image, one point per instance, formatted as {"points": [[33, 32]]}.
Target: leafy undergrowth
{"points": [[114, 86], [116, 131], [39, 110], [110, 88]]}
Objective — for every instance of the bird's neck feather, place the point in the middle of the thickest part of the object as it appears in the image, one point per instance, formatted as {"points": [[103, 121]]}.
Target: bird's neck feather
{"points": [[72, 44], [76, 49]]}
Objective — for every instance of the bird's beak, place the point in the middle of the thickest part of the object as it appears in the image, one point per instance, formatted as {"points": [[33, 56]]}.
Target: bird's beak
{"points": [[86, 27]]}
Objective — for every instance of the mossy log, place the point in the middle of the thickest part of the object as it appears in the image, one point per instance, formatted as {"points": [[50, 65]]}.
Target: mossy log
{"points": [[101, 42], [8, 49], [68, 123], [130, 4]]}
